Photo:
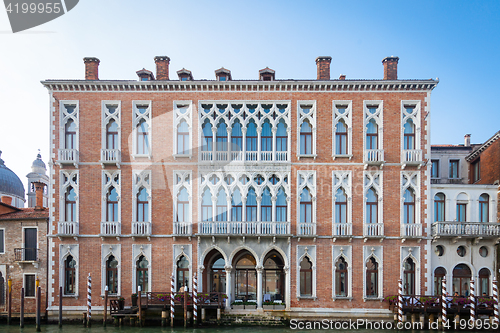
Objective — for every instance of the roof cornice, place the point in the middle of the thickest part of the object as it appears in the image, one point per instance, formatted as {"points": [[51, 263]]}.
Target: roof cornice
{"points": [[239, 86], [489, 142]]}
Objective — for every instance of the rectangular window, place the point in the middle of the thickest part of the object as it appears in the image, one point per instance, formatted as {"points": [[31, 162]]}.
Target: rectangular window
{"points": [[29, 285], [461, 212], [435, 169], [2, 241], [142, 127], [454, 169], [476, 171]]}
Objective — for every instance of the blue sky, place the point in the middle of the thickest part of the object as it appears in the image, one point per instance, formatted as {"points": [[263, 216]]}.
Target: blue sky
{"points": [[457, 41]]}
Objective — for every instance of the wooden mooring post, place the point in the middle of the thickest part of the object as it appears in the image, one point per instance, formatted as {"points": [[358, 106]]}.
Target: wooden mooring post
{"points": [[21, 314], [9, 299], [38, 305], [185, 308], [60, 305], [105, 306], [139, 296]]}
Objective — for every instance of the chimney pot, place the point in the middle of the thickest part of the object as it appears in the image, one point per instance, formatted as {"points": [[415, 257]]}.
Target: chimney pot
{"points": [[39, 195], [91, 68], [467, 140], [323, 67], [390, 68], [162, 63]]}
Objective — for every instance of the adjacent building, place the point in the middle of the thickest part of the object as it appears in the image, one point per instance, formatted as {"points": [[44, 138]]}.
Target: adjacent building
{"points": [[313, 193]]}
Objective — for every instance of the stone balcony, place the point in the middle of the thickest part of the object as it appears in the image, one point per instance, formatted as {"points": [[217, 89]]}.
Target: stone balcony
{"points": [[252, 228], [412, 157], [466, 229], [110, 229], [411, 230], [373, 230], [373, 157], [111, 157], [67, 229], [68, 156]]}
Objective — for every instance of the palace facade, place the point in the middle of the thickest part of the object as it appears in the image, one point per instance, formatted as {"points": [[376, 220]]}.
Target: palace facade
{"points": [[312, 193]]}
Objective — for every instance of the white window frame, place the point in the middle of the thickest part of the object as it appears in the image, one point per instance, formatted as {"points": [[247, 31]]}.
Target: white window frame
{"points": [[344, 251], [308, 180], [106, 251], [66, 250], [141, 178], [178, 118], [410, 179], [459, 174], [180, 250], [347, 118], [310, 252], [24, 284], [369, 182], [413, 253], [378, 116], [136, 119], [105, 187], [311, 117], [64, 118], [107, 117], [62, 194], [345, 182], [186, 181], [137, 251], [416, 119], [378, 253]]}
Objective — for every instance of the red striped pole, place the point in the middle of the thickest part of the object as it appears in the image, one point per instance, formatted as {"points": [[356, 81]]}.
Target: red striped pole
{"points": [[495, 301], [400, 301], [172, 304], [472, 300], [443, 300], [195, 300]]}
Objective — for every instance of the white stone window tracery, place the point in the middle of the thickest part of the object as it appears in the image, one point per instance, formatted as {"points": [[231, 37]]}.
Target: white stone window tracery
{"points": [[69, 181], [342, 203], [69, 113], [375, 252], [373, 181], [111, 131], [108, 250], [141, 209], [111, 199], [142, 129], [306, 195], [139, 250], [410, 131], [182, 209], [182, 133], [410, 192], [306, 129], [185, 251], [304, 252], [342, 129], [373, 131], [66, 250], [413, 253], [244, 131], [269, 189], [345, 252]]}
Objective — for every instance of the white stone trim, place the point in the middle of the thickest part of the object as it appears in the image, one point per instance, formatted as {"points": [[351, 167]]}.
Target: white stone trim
{"points": [[376, 252], [107, 117], [178, 118], [415, 117], [137, 251], [344, 251], [186, 250], [106, 251], [302, 252], [113, 180], [307, 179], [183, 179], [378, 116], [66, 250], [342, 179], [412, 252], [374, 179], [311, 118], [141, 178], [410, 179], [137, 117], [64, 117], [73, 181], [347, 118]]}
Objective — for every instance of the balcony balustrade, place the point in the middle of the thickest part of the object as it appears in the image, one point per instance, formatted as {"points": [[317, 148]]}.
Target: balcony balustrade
{"points": [[111, 229], [466, 229], [373, 230], [183, 228], [251, 156], [110, 156], [306, 229], [374, 156], [412, 157], [243, 228], [411, 230], [342, 229], [68, 156], [26, 255], [141, 228], [67, 228]]}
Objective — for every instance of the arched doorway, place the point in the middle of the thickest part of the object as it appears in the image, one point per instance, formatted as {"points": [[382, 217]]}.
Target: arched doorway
{"points": [[409, 277], [461, 279], [245, 284], [182, 274], [273, 279], [484, 282], [215, 277], [439, 274]]}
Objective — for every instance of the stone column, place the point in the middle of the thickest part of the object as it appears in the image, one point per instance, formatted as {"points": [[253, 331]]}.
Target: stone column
{"points": [[259, 270], [286, 269], [229, 271]]}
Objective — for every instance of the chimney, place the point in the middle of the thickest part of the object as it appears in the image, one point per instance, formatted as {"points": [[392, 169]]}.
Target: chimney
{"points": [[39, 195], [267, 74], [467, 140], [323, 65], [6, 200], [91, 68], [390, 68], [162, 63]]}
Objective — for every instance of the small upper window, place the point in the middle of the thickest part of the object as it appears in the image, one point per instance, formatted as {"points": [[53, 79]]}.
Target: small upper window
{"points": [[476, 171], [435, 169], [454, 169]]}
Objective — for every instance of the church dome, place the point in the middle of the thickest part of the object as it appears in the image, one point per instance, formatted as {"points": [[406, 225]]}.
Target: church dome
{"points": [[38, 165], [10, 184]]}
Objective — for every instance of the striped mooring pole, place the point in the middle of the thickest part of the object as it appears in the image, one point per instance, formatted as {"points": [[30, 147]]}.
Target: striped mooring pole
{"points": [[172, 304], [195, 300], [89, 300], [400, 301], [443, 300], [472, 300], [495, 301]]}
